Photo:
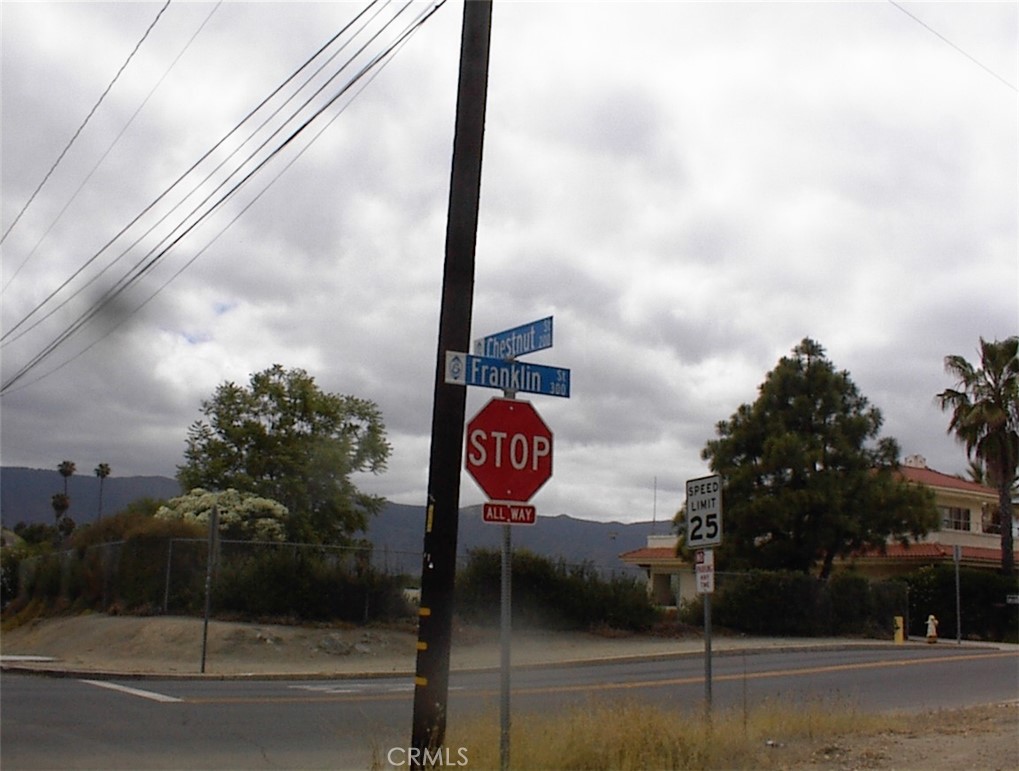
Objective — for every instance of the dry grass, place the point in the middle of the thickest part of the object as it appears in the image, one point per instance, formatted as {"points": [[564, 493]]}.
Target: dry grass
{"points": [[627, 735]]}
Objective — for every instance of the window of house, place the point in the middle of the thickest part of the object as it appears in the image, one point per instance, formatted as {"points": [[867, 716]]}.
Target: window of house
{"points": [[954, 518], [991, 519]]}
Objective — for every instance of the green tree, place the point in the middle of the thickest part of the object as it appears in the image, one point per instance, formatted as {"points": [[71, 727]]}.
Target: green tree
{"points": [[66, 469], [102, 471], [36, 533], [145, 507], [985, 417], [61, 503], [807, 479], [285, 439], [64, 524]]}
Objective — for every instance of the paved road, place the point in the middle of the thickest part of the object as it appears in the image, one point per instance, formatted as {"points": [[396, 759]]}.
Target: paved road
{"points": [[149, 724]]}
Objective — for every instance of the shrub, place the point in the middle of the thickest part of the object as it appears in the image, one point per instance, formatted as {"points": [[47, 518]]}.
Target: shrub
{"points": [[770, 603], [985, 614], [850, 602], [888, 600], [241, 515], [11, 558], [138, 577], [313, 585], [551, 594], [792, 603]]}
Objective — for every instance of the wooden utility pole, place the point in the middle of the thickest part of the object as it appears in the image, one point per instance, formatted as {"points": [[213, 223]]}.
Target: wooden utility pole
{"points": [[438, 566]]}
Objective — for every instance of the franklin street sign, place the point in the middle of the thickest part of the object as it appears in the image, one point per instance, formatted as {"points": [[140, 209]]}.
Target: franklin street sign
{"points": [[489, 372]]}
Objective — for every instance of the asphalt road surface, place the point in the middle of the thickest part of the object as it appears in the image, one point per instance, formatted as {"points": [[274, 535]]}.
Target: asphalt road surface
{"points": [[63, 723]]}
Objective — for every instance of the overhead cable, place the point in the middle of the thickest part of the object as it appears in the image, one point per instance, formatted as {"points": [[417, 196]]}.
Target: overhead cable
{"points": [[143, 267], [9, 334], [80, 128], [112, 144], [255, 199], [944, 39]]}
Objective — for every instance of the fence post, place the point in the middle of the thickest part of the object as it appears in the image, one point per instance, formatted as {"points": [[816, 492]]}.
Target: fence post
{"points": [[106, 576], [213, 533], [169, 562]]}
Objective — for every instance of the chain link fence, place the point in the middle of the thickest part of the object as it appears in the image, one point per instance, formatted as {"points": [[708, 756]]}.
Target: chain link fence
{"points": [[171, 576], [290, 581]]}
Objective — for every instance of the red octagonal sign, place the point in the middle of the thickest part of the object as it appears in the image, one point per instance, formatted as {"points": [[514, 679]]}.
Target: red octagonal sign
{"points": [[509, 450]]}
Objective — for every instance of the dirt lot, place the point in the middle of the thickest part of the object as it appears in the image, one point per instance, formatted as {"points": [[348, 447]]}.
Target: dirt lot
{"points": [[984, 738], [980, 738]]}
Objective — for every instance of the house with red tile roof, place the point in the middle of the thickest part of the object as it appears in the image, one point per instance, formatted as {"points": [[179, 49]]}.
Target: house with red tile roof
{"points": [[968, 522]]}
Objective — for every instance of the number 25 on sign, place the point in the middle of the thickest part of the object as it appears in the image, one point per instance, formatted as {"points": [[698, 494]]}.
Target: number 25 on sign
{"points": [[704, 512]]}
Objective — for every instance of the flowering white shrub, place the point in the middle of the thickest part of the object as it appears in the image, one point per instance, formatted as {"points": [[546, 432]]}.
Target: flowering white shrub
{"points": [[242, 516]]}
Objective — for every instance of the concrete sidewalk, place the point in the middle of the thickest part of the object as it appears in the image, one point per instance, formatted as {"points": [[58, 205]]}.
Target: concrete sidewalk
{"points": [[170, 647]]}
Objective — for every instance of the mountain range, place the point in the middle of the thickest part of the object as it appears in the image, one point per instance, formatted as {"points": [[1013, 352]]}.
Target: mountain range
{"points": [[396, 533]]}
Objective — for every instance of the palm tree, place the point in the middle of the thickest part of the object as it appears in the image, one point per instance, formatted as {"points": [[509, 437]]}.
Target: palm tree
{"points": [[102, 471], [61, 503], [977, 472], [985, 417], [66, 469]]}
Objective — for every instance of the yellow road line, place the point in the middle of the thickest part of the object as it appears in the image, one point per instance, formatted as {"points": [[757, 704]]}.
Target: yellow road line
{"points": [[635, 684]]}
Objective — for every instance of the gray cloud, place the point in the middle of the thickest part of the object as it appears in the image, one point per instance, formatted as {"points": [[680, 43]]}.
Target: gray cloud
{"points": [[689, 189]]}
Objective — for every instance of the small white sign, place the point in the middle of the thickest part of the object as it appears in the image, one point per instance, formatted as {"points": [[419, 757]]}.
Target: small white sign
{"points": [[704, 570]]}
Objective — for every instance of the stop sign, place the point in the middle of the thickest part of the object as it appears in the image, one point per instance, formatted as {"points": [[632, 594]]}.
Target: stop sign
{"points": [[509, 450]]}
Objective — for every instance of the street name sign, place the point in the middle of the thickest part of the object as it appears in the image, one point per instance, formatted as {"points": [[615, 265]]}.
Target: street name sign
{"points": [[489, 372], [511, 343], [509, 450], [508, 513], [704, 512]]}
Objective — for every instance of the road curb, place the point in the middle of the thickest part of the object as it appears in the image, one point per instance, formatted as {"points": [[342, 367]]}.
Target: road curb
{"points": [[33, 668]]}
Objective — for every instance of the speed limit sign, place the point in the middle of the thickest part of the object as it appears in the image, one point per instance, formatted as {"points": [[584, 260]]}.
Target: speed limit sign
{"points": [[704, 512]]}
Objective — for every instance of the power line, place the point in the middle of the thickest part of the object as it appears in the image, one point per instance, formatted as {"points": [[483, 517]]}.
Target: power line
{"points": [[230, 224], [10, 336], [143, 267], [944, 39], [113, 144], [88, 117]]}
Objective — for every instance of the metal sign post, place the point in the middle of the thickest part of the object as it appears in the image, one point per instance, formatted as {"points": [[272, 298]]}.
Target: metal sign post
{"points": [[705, 573], [957, 558], [509, 454], [505, 634], [703, 531]]}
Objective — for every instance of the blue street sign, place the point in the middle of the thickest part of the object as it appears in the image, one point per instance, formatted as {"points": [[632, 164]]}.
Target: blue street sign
{"points": [[511, 343], [489, 372]]}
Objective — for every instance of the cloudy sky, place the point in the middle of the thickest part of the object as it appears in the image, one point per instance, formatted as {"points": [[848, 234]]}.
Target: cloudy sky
{"points": [[688, 188]]}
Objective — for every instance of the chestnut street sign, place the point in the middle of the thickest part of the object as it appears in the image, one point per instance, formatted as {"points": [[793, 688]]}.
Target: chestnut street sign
{"points": [[511, 343], [509, 450]]}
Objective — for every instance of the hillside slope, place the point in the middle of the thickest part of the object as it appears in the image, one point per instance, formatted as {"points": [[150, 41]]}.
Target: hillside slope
{"points": [[396, 533], [25, 494]]}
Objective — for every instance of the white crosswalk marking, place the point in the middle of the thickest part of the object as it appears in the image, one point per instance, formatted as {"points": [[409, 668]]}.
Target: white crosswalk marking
{"points": [[151, 695]]}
